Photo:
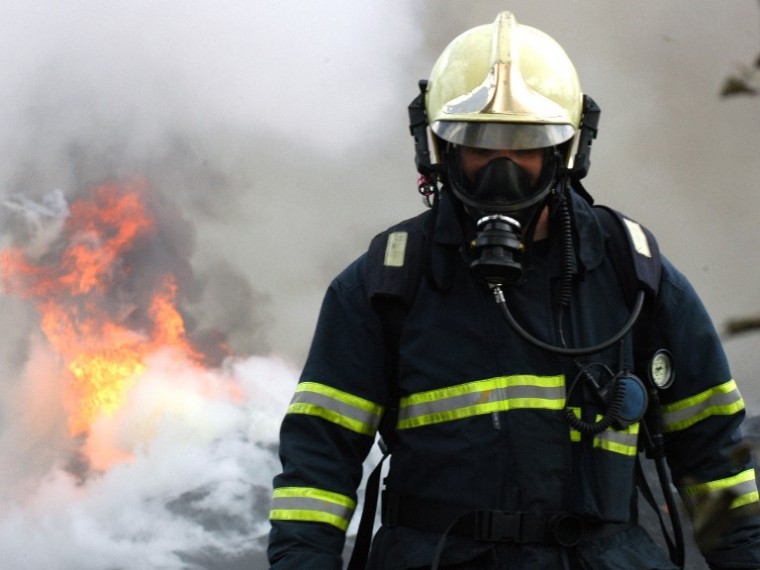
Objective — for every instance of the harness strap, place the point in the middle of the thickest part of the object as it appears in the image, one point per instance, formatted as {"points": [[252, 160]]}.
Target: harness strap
{"points": [[646, 492], [363, 542], [490, 525]]}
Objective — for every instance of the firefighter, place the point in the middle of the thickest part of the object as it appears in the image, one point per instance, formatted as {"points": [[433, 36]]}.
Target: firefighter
{"points": [[494, 340]]}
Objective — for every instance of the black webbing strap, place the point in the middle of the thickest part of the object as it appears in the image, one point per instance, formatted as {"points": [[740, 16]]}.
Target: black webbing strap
{"points": [[392, 311], [646, 492], [563, 530], [390, 290], [363, 542], [635, 270], [491, 525]]}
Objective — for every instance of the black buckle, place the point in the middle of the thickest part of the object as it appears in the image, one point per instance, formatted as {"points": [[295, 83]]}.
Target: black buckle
{"points": [[567, 530], [498, 526]]}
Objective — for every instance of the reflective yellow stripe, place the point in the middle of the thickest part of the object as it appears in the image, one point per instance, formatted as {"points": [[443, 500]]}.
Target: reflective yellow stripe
{"points": [[307, 504], [333, 405], [624, 441], [482, 397], [742, 486], [722, 400], [745, 500], [575, 435]]}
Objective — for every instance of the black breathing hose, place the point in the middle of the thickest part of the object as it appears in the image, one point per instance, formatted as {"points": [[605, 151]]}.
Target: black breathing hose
{"points": [[613, 413], [568, 255], [572, 352]]}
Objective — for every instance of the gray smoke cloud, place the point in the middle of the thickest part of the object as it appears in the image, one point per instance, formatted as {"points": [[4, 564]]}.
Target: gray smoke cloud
{"points": [[275, 142], [235, 116]]}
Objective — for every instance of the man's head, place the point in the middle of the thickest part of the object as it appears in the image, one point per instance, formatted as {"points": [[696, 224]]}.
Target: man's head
{"points": [[504, 105]]}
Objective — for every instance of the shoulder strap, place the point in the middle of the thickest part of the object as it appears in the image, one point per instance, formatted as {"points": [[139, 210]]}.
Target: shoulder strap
{"points": [[393, 271], [394, 262], [636, 257], [634, 252]]}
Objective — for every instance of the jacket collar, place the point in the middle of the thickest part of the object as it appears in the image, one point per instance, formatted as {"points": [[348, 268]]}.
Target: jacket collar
{"points": [[588, 232], [448, 229]]}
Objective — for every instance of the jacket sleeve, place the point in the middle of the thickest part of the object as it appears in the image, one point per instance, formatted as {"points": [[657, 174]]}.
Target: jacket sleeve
{"points": [[702, 412], [328, 431]]}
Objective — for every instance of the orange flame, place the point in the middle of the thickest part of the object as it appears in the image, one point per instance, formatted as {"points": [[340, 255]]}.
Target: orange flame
{"points": [[102, 353]]}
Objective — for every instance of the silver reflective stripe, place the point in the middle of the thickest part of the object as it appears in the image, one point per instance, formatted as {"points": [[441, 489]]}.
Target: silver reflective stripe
{"points": [[624, 442], [336, 406], [638, 237], [742, 487], [307, 504], [395, 249], [721, 400], [482, 397]]}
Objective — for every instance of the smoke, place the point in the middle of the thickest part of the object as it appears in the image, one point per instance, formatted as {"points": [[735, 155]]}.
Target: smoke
{"points": [[176, 475], [274, 139], [194, 496], [258, 119], [235, 118]]}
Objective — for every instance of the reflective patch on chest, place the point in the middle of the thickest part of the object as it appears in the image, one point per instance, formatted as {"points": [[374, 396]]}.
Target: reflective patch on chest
{"points": [[395, 249], [639, 239]]}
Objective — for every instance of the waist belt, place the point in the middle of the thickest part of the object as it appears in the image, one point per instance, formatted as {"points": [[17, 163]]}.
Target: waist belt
{"points": [[560, 529]]}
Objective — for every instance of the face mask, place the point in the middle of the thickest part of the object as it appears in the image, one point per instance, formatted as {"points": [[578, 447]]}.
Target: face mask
{"points": [[501, 184], [501, 187], [502, 202]]}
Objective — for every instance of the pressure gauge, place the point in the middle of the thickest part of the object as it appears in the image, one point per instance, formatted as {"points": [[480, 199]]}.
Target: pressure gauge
{"points": [[661, 371]]}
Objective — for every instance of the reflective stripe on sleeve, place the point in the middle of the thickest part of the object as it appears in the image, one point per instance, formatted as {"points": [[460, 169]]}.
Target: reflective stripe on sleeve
{"points": [[722, 400], [336, 406], [741, 486], [482, 397], [307, 504]]}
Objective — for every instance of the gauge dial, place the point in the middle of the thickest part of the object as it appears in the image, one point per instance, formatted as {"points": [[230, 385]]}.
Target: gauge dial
{"points": [[661, 369]]}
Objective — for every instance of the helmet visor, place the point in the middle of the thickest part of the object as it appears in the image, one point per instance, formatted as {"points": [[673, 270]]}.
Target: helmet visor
{"points": [[495, 135]]}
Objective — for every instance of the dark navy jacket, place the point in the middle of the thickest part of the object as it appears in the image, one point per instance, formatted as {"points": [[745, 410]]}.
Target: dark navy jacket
{"points": [[482, 421]]}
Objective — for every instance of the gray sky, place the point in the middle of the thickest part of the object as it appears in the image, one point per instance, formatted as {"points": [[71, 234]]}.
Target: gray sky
{"points": [[277, 132]]}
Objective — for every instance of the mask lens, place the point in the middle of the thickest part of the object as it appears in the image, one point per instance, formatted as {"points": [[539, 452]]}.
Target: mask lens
{"points": [[501, 186]]}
